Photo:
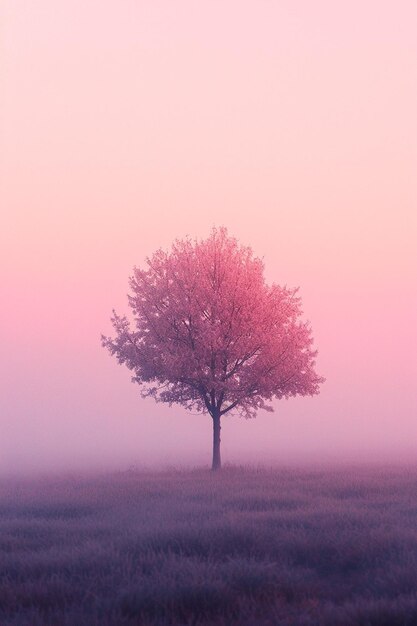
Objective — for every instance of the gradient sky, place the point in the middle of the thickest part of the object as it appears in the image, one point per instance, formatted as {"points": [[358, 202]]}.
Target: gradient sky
{"points": [[127, 124]]}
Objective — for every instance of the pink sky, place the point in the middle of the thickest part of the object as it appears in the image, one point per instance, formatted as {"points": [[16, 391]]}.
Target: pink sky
{"points": [[127, 124]]}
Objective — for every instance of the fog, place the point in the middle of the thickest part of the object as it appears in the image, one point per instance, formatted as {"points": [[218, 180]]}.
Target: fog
{"points": [[124, 127]]}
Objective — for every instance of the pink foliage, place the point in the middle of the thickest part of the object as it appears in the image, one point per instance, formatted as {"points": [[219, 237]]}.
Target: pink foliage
{"points": [[210, 334]]}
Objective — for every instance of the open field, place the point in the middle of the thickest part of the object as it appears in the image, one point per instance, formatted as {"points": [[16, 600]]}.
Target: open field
{"points": [[332, 547]]}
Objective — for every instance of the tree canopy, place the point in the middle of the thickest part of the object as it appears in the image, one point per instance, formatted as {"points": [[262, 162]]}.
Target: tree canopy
{"points": [[210, 334]]}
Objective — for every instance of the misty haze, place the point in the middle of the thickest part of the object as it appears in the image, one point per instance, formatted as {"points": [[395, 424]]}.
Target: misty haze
{"points": [[236, 181]]}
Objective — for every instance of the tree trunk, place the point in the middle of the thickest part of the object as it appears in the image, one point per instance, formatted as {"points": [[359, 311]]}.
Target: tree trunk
{"points": [[216, 465]]}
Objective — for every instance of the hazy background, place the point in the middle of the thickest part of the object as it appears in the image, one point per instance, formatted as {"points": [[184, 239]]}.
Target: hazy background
{"points": [[127, 124]]}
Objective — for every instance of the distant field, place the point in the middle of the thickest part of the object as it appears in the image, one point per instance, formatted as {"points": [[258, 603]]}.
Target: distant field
{"points": [[250, 547]]}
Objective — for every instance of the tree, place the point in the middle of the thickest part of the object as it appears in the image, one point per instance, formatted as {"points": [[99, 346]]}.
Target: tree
{"points": [[211, 335]]}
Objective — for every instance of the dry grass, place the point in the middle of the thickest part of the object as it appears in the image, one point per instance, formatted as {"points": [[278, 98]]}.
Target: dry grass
{"points": [[244, 547]]}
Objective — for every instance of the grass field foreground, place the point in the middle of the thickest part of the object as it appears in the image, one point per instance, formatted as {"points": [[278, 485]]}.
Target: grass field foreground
{"points": [[245, 546]]}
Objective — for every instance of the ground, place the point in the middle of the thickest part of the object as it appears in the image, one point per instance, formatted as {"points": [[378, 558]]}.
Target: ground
{"points": [[246, 546]]}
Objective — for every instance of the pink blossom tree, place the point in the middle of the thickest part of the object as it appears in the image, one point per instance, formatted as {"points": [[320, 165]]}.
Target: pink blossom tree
{"points": [[211, 335]]}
